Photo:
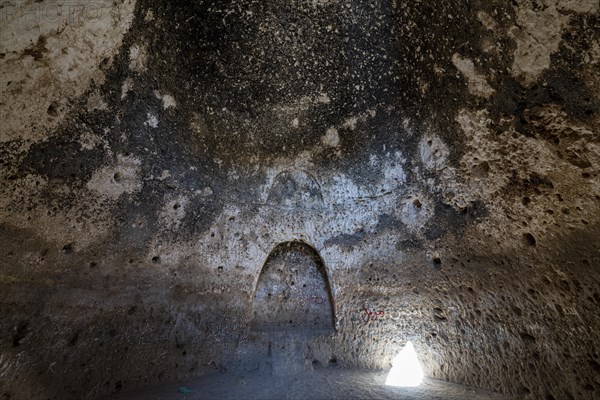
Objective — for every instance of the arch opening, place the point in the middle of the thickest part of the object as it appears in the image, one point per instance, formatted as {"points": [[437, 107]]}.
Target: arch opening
{"points": [[293, 292]]}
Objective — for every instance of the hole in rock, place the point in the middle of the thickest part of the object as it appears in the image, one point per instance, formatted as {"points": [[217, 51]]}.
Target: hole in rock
{"points": [[529, 239], [67, 248], [21, 332]]}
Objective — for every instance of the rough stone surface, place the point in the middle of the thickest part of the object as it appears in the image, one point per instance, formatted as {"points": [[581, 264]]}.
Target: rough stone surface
{"points": [[439, 159], [50, 52]]}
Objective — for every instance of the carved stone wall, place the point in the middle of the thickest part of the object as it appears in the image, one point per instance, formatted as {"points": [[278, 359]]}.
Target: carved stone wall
{"points": [[441, 157]]}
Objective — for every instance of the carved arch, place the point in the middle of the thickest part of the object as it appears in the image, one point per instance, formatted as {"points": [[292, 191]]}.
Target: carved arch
{"points": [[293, 291]]}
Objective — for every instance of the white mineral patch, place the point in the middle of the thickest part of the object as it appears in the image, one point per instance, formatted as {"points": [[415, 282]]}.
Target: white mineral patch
{"points": [[138, 57], [96, 102], [486, 20], [149, 16], [538, 34], [126, 88], [434, 152], [350, 123], [331, 138], [323, 98], [164, 175], [167, 99], [88, 140], [594, 54], [112, 181], [478, 84], [151, 121], [408, 126]]}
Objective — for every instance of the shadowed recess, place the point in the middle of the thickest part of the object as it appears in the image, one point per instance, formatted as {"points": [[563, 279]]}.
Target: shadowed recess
{"points": [[293, 292]]}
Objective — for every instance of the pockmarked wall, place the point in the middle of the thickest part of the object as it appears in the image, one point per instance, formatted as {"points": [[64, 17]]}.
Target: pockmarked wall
{"points": [[441, 158]]}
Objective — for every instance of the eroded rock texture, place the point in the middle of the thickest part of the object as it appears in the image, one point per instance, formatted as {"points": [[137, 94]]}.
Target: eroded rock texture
{"points": [[441, 158]]}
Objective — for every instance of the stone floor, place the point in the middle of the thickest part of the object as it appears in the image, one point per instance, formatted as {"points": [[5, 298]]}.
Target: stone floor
{"points": [[327, 383]]}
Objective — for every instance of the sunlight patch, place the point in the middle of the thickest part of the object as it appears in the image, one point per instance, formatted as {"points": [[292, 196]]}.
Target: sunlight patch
{"points": [[406, 369]]}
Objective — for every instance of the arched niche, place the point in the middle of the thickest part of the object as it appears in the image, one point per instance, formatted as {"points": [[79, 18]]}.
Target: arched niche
{"points": [[295, 189], [293, 292]]}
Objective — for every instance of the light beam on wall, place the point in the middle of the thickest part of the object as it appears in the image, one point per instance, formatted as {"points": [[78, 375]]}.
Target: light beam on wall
{"points": [[406, 369]]}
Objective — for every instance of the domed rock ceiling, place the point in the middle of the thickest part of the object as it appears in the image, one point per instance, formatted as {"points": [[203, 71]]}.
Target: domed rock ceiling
{"points": [[440, 158]]}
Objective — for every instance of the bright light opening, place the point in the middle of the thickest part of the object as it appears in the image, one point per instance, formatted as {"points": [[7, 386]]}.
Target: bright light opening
{"points": [[406, 369]]}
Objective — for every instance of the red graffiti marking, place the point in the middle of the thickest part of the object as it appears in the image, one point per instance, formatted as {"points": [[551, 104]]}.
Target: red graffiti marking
{"points": [[367, 315]]}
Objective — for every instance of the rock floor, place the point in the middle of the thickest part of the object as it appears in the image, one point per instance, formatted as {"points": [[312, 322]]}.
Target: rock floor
{"points": [[320, 384]]}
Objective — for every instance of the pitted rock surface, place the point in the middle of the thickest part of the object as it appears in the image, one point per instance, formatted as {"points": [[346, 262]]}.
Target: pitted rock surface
{"points": [[438, 160]]}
